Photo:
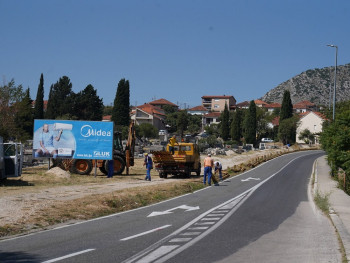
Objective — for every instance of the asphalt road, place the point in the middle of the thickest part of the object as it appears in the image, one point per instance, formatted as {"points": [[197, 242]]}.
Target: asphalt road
{"points": [[264, 215]]}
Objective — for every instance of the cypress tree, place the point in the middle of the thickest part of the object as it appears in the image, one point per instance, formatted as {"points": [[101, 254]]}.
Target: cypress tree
{"points": [[250, 124], [50, 110], [236, 133], [225, 124], [39, 101], [287, 106], [121, 107]]}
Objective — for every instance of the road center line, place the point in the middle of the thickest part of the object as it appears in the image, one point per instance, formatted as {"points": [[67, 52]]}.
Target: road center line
{"points": [[68, 256], [145, 233]]}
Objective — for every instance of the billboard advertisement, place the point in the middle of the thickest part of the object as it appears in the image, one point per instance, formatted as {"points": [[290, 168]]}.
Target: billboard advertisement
{"points": [[73, 139]]}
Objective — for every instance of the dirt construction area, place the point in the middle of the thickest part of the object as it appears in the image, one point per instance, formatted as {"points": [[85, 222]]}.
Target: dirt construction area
{"points": [[43, 198]]}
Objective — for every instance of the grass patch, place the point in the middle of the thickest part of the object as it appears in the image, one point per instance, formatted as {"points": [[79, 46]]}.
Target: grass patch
{"points": [[322, 201], [99, 205]]}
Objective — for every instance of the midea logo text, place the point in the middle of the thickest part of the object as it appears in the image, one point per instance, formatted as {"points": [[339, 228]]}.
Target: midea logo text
{"points": [[87, 131]]}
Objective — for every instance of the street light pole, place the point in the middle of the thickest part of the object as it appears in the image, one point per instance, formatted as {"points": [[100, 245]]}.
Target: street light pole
{"points": [[335, 78]]}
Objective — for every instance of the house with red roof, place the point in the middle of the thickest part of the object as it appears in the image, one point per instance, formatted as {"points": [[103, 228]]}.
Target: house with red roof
{"points": [[211, 118], [312, 121], [243, 105], [304, 106], [198, 110], [217, 103], [260, 103], [272, 107], [163, 102], [148, 113]]}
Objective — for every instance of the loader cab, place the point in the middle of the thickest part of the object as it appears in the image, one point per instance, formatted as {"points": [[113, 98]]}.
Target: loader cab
{"points": [[117, 142]]}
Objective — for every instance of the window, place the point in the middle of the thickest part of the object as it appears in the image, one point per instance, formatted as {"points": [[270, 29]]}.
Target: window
{"points": [[216, 106]]}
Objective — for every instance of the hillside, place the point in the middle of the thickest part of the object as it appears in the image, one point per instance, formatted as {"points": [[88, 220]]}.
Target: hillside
{"points": [[313, 85]]}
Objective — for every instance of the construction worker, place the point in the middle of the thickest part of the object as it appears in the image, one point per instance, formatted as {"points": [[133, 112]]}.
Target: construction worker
{"points": [[218, 169], [172, 143], [110, 168], [208, 165], [149, 165]]}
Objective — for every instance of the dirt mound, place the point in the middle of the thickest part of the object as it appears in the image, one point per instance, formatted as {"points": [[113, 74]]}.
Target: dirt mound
{"points": [[58, 173]]}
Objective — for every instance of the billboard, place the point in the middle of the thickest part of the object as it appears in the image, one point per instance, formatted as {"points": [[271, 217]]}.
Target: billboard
{"points": [[73, 139]]}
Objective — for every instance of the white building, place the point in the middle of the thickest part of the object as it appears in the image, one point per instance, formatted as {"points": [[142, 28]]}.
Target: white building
{"points": [[312, 121]]}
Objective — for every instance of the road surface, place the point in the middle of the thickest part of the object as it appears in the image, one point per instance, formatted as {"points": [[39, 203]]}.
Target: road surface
{"points": [[264, 215]]}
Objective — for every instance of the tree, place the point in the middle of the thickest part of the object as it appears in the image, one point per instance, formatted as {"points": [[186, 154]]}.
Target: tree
{"points": [[107, 110], [250, 124], [121, 108], [169, 109], [147, 130], [171, 121], [225, 124], [287, 130], [24, 118], [287, 106], [10, 96], [288, 124], [182, 122], [39, 101], [61, 100], [236, 133], [306, 136], [335, 140], [195, 123], [262, 119], [88, 106]]}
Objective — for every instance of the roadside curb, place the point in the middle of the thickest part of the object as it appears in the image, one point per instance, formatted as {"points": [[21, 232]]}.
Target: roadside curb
{"points": [[342, 230]]}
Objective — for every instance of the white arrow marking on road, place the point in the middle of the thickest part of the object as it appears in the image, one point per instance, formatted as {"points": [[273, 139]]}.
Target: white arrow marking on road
{"points": [[250, 178], [169, 211]]}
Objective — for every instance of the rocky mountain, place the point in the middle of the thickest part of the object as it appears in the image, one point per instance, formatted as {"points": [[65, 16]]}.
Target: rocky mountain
{"points": [[314, 85]]}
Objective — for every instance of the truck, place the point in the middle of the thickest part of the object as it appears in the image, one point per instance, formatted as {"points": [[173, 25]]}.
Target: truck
{"points": [[11, 159], [123, 157], [186, 159]]}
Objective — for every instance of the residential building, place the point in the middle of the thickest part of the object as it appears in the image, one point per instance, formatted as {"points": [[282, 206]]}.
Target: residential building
{"points": [[198, 110], [304, 106], [162, 102], [211, 118], [311, 120], [107, 118], [148, 113], [260, 103], [217, 103], [243, 105], [272, 107]]}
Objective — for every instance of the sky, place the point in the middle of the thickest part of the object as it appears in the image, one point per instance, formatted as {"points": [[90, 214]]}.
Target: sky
{"points": [[178, 50]]}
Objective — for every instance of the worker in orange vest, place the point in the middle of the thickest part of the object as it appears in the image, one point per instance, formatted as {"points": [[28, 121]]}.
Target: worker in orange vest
{"points": [[208, 165]]}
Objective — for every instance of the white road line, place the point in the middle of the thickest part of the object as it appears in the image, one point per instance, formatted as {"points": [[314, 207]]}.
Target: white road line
{"points": [[161, 251], [145, 233], [211, 218], [198, 228], [221, 211], [68, 256], [204, 223], [216, 215], [179, 239], [191, 234]]}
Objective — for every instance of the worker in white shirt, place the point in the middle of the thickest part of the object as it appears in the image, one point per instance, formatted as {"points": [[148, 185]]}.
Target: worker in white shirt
{"points": [[218, 169]]}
